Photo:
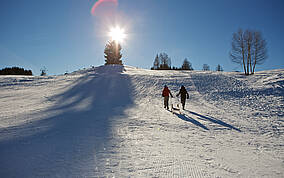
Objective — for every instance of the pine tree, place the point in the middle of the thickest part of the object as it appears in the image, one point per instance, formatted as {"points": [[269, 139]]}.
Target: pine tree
{"points": [[165, 61], [186, 65], [219, 68], [112, 53], [156, 63]]}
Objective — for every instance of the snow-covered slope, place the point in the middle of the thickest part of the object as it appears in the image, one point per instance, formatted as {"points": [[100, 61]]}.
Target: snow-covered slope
{"points": [[109, 121]]}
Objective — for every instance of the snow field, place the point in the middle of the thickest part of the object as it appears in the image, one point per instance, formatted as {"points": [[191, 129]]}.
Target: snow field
{"points": [[110, 122]]}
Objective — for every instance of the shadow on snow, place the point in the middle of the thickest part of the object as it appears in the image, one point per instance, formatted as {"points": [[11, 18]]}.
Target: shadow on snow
{"points": [[189, 119], [73, 141], [216, 121]]}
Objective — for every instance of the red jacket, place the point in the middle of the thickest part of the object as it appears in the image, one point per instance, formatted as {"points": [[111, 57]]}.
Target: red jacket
{"points": [[166, 92]]}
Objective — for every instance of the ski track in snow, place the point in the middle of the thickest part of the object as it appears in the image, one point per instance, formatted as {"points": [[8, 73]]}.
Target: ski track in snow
{"points": [[109, 121]]}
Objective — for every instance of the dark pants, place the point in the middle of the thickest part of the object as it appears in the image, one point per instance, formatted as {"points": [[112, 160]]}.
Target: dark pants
{"points": [[183, 102], [166, 102]]}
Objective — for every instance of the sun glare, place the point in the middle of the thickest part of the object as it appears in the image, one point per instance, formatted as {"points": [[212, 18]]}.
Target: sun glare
{"points": [[117, 34]]}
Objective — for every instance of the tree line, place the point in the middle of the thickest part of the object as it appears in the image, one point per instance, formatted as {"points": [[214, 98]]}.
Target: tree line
{"points": [[163, 62], [248, 50], [15, 71]]}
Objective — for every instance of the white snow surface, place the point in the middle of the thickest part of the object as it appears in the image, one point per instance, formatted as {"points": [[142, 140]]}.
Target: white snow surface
{"points": [[109, 121]]}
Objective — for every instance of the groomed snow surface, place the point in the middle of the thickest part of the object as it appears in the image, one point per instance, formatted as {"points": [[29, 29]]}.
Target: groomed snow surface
{"points": [[109, 121]]}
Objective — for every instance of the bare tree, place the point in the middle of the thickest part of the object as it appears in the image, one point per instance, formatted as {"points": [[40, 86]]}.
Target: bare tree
{"points": [[186, 65], [259, 53], [248, 36], [248, 49], [165, 61], [205, 67], [237, 53], [43, 71]]}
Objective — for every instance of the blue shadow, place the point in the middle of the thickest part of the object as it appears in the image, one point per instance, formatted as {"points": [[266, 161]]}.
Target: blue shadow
{"points": [[73, 142], [217, 121], [191, 120]]}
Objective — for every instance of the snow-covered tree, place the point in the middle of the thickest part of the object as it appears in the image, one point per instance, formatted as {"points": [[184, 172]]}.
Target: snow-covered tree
{"points": [[112, 53]]}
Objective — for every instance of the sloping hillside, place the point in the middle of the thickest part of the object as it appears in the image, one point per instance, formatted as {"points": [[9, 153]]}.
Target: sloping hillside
{"points": [[110, 121]]}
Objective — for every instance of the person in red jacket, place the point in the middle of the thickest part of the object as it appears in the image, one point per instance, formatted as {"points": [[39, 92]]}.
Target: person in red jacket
{"points": [[166, 94]]}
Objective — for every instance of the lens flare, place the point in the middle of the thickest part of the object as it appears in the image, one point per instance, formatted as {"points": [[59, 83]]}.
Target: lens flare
{"points": [[101, 2], [117, 34]]}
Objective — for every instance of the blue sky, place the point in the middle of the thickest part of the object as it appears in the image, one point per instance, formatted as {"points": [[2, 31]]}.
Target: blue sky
{"points": [[64, 36]]}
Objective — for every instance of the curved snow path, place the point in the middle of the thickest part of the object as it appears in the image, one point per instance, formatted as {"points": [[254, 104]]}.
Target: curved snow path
{"points": [[107, 122]]}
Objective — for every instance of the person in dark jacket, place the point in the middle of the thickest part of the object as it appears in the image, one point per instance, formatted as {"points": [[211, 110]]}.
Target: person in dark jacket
{"points": [[166, 94], [183, 96]]}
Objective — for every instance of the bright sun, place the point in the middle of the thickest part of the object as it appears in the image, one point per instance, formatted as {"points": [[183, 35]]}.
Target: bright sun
{"points": [[117, 34]]}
